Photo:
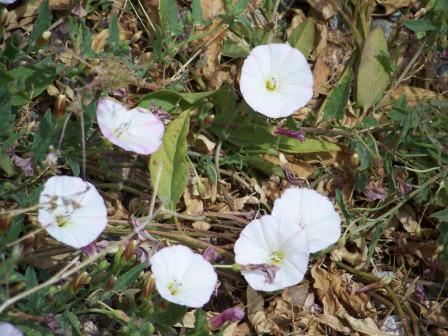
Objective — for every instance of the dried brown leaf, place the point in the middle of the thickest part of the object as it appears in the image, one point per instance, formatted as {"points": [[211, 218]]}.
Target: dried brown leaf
{"points": [[391, 6], [256, 314], [324, 7]]}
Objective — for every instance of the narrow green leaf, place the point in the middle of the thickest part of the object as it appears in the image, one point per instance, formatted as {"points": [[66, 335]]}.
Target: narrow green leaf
{"points": [[43, 138], [256, 136], [129, 277], [172, 162], [113, 40], [169, 17], [302, 38], [333, 107], [43, 21], [372, 78], [196, 10]]}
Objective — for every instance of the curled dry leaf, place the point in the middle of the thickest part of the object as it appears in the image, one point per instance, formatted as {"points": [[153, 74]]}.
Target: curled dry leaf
{"points": [[256, 314], [356, 257], [407, 217], [391, 6], [324, 7], [333, 292]]}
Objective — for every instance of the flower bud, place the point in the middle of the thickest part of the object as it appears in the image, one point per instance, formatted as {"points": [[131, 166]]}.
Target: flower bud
{"points": [[79, 281], [110, 283], [129, 249], [59, 105], [5, 221], [231, 314], [149, 286], [43, 39]]}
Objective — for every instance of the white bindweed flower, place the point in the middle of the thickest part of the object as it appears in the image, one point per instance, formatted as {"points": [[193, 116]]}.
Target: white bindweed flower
{"points": [[272, 245], [276, 80], [136, 130], [183, 277], [311, 211], [7, 329], [72, 211]]}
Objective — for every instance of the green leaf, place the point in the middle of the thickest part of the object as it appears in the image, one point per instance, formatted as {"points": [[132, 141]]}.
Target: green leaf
{"points": [[170, 316], [129, 277], [422, 25], [372, 78], [172, 162], [43, 21], [6, 164], [441, 216], [201, 326], [30, 81], [30, 282], [113, 39], [302, 38], [74, 322], [259, 136], [169, 18], [170, 100], [239, 7], [333, 107], [43, 138], [197, 11]]}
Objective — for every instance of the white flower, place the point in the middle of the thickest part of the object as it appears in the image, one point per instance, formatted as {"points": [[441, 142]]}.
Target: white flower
{"points": [[183, 277], [314, 213], [274, 243], [7, 329], [136, 130], [72, 211], [7, 2], [276, 80]]}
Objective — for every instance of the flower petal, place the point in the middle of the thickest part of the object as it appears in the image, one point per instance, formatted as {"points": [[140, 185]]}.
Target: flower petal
{"points": [[260, 239], [283, 64], [194, 275], [135, 130], [79, 204], [313, 212], [7, 329]]}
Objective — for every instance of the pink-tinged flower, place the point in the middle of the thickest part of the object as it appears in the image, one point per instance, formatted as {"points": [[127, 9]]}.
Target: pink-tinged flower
{"points": [[276, 80], [234, 314], [7, 2], [313, 213], [280, 246], [7, 329], [72, 211], [183, 277], [136, 130]]}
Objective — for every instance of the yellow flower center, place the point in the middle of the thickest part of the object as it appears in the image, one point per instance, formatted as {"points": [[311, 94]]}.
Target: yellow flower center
{"points": [[174, 287], [118, 132], [271, 84], [277, 257], [61, 221]]}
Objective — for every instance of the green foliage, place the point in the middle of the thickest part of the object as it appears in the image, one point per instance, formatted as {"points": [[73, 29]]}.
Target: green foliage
{"points": [[43, 138], [201, 326], [43, 21], [169, 17], [302, 37], [113, 38], [372, 77], [333, 107], [170, 162]]}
